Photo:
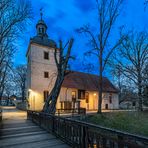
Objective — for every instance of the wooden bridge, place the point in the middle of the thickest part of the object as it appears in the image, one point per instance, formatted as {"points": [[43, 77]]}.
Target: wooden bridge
{"points": [[17, 132]]}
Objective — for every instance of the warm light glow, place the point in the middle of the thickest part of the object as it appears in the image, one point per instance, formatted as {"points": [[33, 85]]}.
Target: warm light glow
{"points": [[94, 94], [30, 90]]}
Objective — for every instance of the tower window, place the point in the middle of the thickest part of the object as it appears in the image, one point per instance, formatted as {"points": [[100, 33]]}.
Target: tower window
{"points": [[110, 98], [46, 55], [46, 75], [45, 95], [42, 30]]}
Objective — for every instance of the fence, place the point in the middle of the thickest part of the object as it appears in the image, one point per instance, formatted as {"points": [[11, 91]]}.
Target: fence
{"points": [[85, 135], [71, 111]]}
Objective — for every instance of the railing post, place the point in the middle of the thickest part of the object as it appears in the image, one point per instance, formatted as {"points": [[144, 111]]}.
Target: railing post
{"points": [[120, 141], [27, 115], [0, 115], [84, 134], [58, 112], [104, 142], [40, 119], [32, 116], [53, 131]]}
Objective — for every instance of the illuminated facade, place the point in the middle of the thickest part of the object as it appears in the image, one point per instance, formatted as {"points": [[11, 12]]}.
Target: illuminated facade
{"points": [[78, 89]]}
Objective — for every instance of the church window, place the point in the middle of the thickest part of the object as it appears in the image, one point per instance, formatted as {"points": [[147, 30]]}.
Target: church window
{"points": [[81, 94], [106, 106], [110, 98], [73, 96], [46, 55], [46, 74], [45, 95], [87, 97]]}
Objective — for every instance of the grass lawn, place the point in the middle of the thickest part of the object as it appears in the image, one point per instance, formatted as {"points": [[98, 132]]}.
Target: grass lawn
{"points": [[132, 122]]}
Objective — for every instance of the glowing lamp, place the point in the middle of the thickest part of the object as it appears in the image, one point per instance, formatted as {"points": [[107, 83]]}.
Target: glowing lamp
{"points": [[30, 90]]}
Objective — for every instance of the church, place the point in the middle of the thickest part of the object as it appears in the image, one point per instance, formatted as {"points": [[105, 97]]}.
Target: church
{"points": [[78, 89]]}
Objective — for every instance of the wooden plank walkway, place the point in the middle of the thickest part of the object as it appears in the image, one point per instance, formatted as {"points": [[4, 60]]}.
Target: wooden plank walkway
{"points": [[17, 132]]}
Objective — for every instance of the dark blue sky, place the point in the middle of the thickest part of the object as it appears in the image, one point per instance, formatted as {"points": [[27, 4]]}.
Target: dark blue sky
{"points": [[64, 16]]}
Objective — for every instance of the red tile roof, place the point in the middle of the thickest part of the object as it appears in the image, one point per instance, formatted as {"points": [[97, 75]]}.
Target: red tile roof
{"points": [[87, 82]]}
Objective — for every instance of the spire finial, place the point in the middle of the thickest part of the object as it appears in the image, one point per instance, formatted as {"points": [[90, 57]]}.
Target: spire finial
{"points": [[41, 13]]}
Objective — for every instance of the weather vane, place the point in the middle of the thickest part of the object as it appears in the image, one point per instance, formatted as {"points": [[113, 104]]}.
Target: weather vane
{"points": [[41, 13]]}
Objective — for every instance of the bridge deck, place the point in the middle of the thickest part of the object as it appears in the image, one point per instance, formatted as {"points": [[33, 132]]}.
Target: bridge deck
{"points": [[17, 132]]}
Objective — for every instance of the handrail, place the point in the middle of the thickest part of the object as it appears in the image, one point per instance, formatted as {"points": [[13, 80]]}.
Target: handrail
{"points": [[82, 134]]}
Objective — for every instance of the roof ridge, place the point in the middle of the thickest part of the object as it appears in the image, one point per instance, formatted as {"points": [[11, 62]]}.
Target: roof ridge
{"points": [[88, 73]]}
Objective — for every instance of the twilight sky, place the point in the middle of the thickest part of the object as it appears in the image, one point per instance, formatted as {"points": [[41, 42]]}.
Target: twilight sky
{"points": [[64, 16]]}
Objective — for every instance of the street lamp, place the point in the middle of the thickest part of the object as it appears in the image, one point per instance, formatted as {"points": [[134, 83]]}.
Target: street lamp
{"points": [[94, 94], [30, 90]]}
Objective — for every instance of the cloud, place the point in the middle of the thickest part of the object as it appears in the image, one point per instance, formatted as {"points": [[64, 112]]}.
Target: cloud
{"points": [[84, 5], [60, 14]]}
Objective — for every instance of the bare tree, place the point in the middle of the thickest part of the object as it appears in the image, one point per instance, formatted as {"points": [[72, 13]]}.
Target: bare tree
{"points": [[14, 16], [108, 11], [118, 78], [145, 2], [9, 86], [20, 80], [132, 59], [124, 85], [61, 57]]}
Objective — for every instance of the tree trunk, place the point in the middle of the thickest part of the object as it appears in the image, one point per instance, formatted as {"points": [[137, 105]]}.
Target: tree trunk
{"points": [[23, 95], [140, 108], [100, 96], [100, 87], [23, 91], [50, 104], [1, 93], [139, 83]]}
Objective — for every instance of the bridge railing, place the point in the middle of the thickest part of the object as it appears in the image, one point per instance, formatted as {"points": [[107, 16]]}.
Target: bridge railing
{"points": [[85, 135], [0, 115], [72, 111]]}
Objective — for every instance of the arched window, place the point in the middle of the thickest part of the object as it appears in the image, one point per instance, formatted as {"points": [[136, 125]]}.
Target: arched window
{"points": [[42, 30]]}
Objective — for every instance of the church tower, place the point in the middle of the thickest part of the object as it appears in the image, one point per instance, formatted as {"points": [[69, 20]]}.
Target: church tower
{"points": [[41, 67]]}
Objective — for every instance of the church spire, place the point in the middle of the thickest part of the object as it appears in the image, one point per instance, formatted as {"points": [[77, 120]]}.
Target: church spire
{"points": [[41, 13], [41, 26]]}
